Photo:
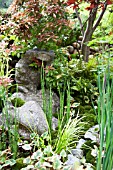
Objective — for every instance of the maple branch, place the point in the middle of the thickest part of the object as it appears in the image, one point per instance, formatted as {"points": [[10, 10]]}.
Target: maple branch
{"points": [[100, 17], [80, 21]]}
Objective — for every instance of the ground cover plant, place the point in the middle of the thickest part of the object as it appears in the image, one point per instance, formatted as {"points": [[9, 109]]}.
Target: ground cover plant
{"points": [[84, 84]]}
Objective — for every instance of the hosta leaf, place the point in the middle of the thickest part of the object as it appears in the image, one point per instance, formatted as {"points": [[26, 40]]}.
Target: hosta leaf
{"points": [[0, 167], [27, 160], [57, 163], [30, 167], [48, 150], [43, 168], [27, 147], [38, 164], [36, 155], [67, 168], [47, 164], [75, 105], [10, 162], [63, 153]]}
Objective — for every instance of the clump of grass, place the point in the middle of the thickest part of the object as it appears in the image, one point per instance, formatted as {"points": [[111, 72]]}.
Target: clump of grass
{"points": [[69, 135], [105, 119], [9, 134], [68, 129]]}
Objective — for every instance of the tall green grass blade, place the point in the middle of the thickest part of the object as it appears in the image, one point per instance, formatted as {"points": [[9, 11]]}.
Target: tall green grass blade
{"points": [[105, 119], [68, 101], [43, 87]]}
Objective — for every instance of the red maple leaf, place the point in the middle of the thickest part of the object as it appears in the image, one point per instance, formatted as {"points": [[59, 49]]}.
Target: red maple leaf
{"points": [[90, 7], [70, 2], [75, 6], [109, 2]]}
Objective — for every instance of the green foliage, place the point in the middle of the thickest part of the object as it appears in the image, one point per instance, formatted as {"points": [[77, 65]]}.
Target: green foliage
{"points": [[5, 161], [67, 137], [19, 164], [44, 159], [12, 134], [105, 119], [87, 149], [81, 75], [68, 130], [17, 102], [89, 115]]}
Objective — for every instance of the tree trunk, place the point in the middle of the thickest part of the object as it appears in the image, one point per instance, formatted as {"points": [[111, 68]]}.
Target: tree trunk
{"points": [[84, 46], [88, 34]]}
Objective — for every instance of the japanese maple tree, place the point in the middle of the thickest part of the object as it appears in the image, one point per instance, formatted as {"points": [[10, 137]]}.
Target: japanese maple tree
{"points": [[96, 10], [34, 23], [38, 22]]}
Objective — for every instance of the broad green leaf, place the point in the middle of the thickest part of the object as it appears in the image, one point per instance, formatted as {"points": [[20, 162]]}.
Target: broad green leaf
{"points": [[58, 76], [0, 167], [75, 104], [75, 88], [30, 167], [38, 164], [47, 164], [67, 168], [27, 147], [45, 135], [48, 150], [11, 162], [57, 163], [12, 37], [27, 160], [63, 153], [36, 155], [43, 168]]}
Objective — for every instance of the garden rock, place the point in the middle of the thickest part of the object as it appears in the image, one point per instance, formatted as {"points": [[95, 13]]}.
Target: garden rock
{"points": [[27, 77], [80, 143], [78, 153], [42, 55], [93, 133], [72, 160], [77, 163], [30, 116], [29, 96], [28, 101]]}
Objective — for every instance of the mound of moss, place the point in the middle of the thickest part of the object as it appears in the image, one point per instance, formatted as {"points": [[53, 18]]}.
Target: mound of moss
{"points": [[89, 116], [17, 102]]}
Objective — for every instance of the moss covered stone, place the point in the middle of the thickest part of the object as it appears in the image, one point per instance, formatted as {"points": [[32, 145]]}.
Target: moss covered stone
{"points": [[17, 102], [89, 116]]}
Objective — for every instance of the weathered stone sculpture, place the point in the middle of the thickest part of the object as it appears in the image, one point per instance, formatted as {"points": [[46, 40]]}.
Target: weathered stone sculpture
{"points": [[30, 115], [28, 78]]}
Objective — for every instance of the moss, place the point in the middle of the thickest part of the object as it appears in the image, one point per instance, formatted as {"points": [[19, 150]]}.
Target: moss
{"points": [[89, 114], [87, 152], [17, 102], [90, 158], [19, 164]]}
